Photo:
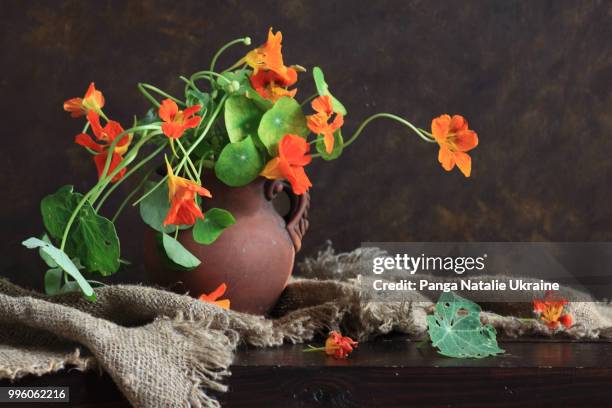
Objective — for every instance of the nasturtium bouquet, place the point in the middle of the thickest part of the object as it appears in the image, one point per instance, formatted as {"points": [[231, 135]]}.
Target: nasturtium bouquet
{"points": [[238, 123]]}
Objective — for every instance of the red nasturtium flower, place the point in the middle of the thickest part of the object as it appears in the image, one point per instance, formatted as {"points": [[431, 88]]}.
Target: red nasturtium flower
{"points": [[268, 57], [93, 100], [320, 124], [272, 86], [177, 121], [216, 294], [181, 193], [455, 139], [106, 135], [552, 312], [289, 164], [339, 346]]}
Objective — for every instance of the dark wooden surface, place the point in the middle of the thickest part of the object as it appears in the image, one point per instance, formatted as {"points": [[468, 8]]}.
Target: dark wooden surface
{"points": [[393, 373]]}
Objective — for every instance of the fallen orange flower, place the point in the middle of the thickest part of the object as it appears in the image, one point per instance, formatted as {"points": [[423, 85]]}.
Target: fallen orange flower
{"points": [[177, 121], [319, 122], [216, 294], [272, 86], [455, 139], [289, 164], [106, 135], [551, 311], [181, 193], [336, 345], [268, 57], [93, 100]]}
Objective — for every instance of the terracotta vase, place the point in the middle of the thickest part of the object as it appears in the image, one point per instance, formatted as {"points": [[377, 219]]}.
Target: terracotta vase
{"points": [[254, 257]]}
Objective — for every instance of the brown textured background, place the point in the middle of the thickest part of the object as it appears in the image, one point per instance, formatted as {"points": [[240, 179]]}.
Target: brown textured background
{"points": [[532, 77]]}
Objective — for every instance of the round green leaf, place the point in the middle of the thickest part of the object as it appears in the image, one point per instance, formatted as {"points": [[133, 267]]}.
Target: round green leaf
{"points": [[284, 118], [323, 89], [207, 230], [336, 151], [177, 253], [239, 163], [242, 117], [92, 238], [456, 331]]}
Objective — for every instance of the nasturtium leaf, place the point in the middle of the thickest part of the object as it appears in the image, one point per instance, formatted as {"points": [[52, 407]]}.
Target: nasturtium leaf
{"points": [[284, 118], [456, 331], [48, 260], [53, 281], [323, 89], [154, 208], [207, 230], [242, 117], [64, 262], [178, 254], [336, 151], [239, 163], [92, 238], [261, 102]]}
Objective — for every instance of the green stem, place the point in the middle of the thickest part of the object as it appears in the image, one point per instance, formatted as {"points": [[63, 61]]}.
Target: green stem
{"points": [[388, 116], [246, 41], [311, 348], [131, 155], [142, 87], [129, 196], [128, 174], [310, 98], [191, 148], [189, 162], [111, 148]]}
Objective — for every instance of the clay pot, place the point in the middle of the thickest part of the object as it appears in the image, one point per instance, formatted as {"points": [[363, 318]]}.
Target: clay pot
{"points": [[254, 257]]}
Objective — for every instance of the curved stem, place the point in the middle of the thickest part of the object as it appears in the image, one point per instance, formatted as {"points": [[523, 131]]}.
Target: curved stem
{"points": [[189, 151], [245, 41], [310, 98], [388, 116], [189, 162], [129, 196], [111, 148], [142, 87], [131, 155], [128, 174]]}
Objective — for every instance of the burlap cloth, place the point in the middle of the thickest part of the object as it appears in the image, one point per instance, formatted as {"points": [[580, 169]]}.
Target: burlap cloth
{"points": [[169, 350]]}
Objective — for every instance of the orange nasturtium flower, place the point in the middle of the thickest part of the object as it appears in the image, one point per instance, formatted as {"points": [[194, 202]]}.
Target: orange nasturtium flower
{"points": [[551, 311], [289, 164], [216, 294], [106, 135], [181, 193], [319, 122], [93, 100], [455, 139], [268, 57], [177, 121], [272, 86], [339, 346]]}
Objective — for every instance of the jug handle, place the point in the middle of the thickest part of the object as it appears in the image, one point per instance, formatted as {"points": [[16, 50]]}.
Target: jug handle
{"points": [[297, 218]]}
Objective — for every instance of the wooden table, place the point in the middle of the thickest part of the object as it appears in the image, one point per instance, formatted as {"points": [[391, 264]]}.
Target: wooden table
{"points": [[393, 372]]}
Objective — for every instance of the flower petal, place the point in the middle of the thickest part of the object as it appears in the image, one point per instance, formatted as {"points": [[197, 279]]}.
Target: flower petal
{"points": [[446, 158], [440, 127], [464, 162], [167, 110], [466, 140], [85, 140]]}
